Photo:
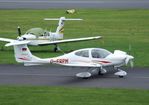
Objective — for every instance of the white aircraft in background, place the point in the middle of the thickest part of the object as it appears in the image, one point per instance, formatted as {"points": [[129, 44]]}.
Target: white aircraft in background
{"points": [[96, 59], [40, 37]]}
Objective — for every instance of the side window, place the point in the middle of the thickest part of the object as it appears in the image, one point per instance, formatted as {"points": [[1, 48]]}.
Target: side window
{"points": [[84, 53], [95, 54]]}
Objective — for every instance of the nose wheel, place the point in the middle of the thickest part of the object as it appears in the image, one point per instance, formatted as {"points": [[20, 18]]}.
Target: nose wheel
{"points": [[120, 76]]}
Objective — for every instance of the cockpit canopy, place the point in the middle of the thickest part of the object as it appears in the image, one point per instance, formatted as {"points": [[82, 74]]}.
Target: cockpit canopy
{"points": [[83, 53], [37, 32], [99, 53], [94, 53]]}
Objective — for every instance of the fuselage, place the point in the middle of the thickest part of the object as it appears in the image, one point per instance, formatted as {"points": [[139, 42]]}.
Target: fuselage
{"points": [[38, 40], [90, 55]]}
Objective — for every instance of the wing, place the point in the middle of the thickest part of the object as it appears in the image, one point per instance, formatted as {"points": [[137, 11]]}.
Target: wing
{"points": [[6, 40], [83, 65], [70, 40]]}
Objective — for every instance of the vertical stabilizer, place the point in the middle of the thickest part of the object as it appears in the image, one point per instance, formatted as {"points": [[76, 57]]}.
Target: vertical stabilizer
{"points": [[22, 52], [60, 28]]}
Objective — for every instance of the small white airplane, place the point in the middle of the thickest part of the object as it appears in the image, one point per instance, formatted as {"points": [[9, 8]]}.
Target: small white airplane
{"points": [[41, 37], [95, 58]]}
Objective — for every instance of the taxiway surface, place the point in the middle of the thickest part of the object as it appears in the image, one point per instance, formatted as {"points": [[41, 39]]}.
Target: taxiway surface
{"points": [[138, 78], [46, 4]]}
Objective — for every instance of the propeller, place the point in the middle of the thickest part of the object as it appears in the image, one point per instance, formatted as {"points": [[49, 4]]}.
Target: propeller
{"points": [[19, 31], [129, 60], [131, 63], [129, 52]]}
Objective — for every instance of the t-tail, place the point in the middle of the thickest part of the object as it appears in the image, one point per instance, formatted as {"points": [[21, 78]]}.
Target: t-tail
{"points": [[60, 28]]}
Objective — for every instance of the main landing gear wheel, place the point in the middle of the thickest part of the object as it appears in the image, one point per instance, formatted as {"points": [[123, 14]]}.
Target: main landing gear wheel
{"points": [[121, 76], [99, 73], [85, 78]]}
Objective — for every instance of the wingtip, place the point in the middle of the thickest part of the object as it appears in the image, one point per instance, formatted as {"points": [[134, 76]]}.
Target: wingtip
{"points": [[98, 37]]}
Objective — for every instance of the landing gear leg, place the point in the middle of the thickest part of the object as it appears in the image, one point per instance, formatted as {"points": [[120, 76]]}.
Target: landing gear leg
{"points": [[97, 71], [102, 71], [56, 48]]}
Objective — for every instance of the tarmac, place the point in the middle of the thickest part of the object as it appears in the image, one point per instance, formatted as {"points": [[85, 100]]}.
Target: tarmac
{"points": [[14, 75], [48, 4]]}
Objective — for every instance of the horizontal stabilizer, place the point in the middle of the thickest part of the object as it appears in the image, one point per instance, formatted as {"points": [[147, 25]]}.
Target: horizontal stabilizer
{"points": [[62, 18]]}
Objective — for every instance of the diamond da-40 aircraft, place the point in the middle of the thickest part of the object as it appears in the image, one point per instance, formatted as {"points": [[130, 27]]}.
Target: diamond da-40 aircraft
{"points": [[41, 37], [96, 59]]}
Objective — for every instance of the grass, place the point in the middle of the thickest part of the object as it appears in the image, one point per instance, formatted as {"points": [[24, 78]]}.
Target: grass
{"points": [[71, 96], [118, 27]]}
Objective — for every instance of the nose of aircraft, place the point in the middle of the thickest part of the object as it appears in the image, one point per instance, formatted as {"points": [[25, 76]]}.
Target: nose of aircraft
{"points": [[122, 56], [130, 57]]}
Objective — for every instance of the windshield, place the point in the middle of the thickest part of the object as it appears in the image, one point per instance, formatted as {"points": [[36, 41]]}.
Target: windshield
{"points": [[37, 32], [99, 53]]}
